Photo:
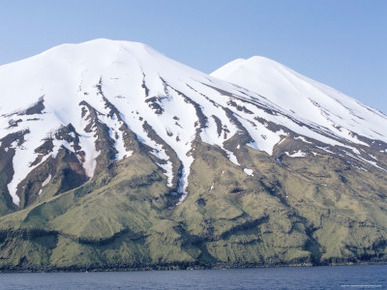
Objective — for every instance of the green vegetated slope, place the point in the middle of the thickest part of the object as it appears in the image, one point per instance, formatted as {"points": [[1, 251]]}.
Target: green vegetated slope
{"points": [[317, 209]]}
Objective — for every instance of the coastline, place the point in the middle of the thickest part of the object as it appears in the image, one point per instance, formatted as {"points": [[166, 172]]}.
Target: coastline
{"points": [[174, 267]]}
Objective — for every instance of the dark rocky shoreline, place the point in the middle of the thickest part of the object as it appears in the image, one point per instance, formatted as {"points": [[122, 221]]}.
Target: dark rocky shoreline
{"points": [[178, 266]]}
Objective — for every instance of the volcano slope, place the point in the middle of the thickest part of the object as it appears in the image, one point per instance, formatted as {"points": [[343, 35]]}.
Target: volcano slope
{"points": [[115, 156]]}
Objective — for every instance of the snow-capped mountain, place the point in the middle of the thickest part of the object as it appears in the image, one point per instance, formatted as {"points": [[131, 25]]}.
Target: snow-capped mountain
{"points": [[114, 156], [73, 96], [304, 99]]}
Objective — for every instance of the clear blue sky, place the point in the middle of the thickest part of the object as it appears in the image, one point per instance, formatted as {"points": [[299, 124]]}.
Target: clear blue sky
{"points": [[342, 43]]}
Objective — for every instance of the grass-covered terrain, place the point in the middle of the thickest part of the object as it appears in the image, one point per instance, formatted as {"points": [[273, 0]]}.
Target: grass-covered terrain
{"points": [[313, 210]]}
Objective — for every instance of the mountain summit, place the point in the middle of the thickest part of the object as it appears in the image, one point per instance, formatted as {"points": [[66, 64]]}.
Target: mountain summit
{"points": [[134, 144], [303, 98]]}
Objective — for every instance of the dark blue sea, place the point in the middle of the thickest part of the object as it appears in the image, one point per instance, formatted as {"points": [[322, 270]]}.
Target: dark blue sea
{"points": [[339, 277]]}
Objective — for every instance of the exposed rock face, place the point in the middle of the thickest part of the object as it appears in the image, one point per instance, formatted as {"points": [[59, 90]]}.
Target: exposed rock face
{"points": [[112, 155]]}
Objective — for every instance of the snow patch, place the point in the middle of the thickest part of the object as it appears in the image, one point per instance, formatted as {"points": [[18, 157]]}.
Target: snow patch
{"points": [[298, 153], [232, 157], [87, 144], [167, 167], [248, 171], [46, 181], [303, 139]]}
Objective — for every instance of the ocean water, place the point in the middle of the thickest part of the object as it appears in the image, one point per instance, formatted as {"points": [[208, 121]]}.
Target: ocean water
{"points": [[339, 277]]}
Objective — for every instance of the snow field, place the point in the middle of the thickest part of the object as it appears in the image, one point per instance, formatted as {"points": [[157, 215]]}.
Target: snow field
{"points": [[131, 84]]}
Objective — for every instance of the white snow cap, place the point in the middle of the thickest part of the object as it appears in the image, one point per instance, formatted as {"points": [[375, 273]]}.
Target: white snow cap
{"points": [[303, 98], [179, 103]]}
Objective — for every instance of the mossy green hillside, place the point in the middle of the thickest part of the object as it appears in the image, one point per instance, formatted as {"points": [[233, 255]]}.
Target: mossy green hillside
{"points": [[294, 212]]}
